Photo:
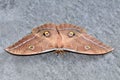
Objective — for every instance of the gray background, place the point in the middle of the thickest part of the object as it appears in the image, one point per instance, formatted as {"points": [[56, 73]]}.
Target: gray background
{"points": [[101, 18]]}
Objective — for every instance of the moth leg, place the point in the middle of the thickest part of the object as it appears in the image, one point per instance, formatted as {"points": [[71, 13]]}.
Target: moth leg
{"points": [[59, 52], [56, 52]]}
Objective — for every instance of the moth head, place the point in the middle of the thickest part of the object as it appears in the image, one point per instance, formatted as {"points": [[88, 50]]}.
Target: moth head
{"points": [[46, 33], [71, 34]]}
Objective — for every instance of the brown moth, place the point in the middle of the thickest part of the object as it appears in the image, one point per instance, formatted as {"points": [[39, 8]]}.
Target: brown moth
{"points": [[59, 38]]}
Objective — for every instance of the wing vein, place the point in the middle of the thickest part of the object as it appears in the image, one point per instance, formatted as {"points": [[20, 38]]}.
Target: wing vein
{"points": [[93, 42], [23, 43]]}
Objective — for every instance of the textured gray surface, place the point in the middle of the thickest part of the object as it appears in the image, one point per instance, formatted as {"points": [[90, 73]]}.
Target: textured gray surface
{"points": [[100, 17]]}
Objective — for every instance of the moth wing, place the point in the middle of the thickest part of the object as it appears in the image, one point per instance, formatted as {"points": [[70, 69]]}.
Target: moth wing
{"points": [[81, 42], [88, 44], [30, 44], [35, 42]]}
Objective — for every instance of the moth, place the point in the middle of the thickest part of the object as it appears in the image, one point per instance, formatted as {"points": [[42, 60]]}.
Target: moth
{"points": [[58, 38]]}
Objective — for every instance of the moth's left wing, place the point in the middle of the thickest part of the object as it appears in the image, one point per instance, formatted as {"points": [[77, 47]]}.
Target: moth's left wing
{"points": [[74, 39], [90, 45]]}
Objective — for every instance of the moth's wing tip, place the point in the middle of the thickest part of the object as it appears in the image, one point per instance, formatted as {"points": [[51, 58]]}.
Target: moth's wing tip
{"points": [[110, 50], [7, 49], [10, 52]]}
